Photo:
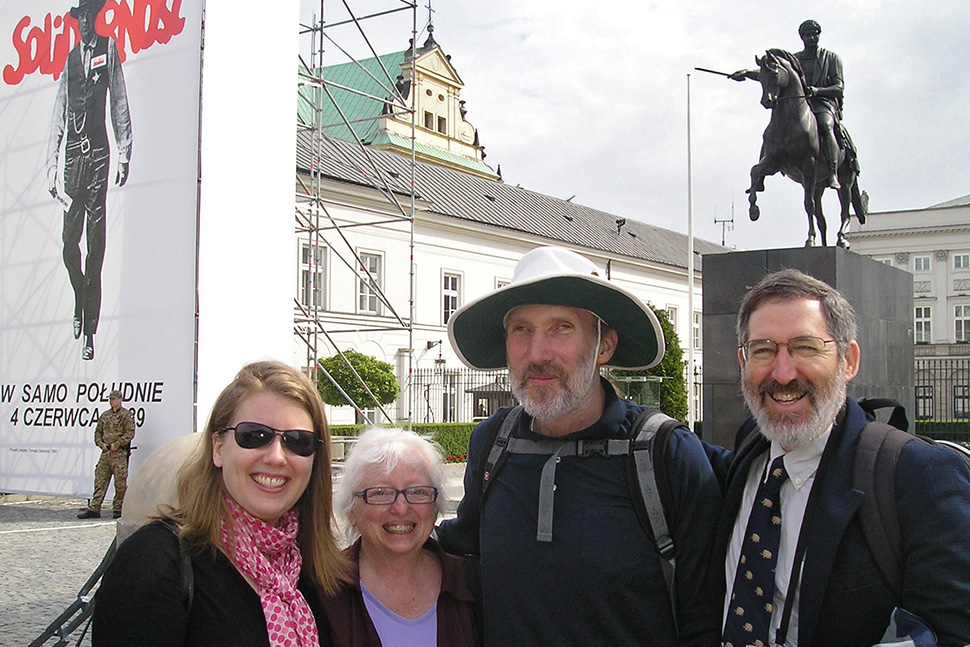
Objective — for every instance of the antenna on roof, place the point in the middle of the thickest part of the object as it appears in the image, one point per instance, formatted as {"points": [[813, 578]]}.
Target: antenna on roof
{"points": [[619, 224], [727, 224]]}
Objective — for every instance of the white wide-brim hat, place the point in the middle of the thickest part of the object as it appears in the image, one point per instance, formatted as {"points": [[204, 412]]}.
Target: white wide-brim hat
{"points": [[560, 277]]}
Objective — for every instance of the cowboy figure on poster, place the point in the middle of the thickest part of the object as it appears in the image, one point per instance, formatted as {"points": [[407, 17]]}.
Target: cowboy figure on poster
{"points": [[91, 81]]}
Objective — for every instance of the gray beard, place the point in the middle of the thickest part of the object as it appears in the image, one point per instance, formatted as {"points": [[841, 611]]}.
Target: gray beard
{"points": [[791, 432], [574, 390]]}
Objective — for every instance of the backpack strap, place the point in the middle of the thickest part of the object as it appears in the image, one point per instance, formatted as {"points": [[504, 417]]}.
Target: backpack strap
{"points": [[496, 446], [555, 450], [651, 431], [647, 446], [897, 417], [874, 473], [186, 574]]}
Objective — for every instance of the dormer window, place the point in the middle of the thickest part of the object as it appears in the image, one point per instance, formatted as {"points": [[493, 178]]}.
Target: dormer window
{"points": [[442, 125], [428, 120]]}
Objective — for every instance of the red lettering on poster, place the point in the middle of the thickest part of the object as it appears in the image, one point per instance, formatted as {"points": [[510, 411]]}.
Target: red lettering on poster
{"points": [[135, 25]]}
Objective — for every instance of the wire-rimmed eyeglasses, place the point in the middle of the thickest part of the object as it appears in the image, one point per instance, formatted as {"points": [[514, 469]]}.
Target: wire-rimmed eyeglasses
{"points": [[764, 351]]}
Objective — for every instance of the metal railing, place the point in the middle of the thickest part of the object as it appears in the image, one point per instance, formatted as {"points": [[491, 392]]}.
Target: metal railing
{"points": [[468, 395], [942, 398], [459, 394]]}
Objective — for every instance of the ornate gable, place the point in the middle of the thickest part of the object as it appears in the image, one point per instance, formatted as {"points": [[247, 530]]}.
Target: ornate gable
{"points": [[443, 135]]}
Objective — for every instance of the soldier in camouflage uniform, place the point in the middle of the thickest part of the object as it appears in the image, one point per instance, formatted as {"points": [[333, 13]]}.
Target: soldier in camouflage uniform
{"points": [[114, 432]]}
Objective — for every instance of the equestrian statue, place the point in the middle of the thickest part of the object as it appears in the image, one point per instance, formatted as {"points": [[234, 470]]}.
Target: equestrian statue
{"points": [[805, 139]]}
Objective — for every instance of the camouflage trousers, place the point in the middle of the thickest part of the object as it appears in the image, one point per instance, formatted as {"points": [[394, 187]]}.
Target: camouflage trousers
{"points": [[110, 464]]}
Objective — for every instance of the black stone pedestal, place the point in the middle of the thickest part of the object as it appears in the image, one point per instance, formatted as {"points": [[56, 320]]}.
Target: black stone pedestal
{"points": [[881, 295]]}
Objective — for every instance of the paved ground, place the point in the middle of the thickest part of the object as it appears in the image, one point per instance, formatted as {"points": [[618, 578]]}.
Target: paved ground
{"points": [[47, 554]]}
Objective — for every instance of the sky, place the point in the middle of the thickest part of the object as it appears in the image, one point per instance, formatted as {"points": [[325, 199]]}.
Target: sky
{"points": [[591, 100]]}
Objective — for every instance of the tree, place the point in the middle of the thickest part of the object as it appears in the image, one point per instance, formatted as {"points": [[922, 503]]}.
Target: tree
{"points": [[672, 390], [378, 375]]}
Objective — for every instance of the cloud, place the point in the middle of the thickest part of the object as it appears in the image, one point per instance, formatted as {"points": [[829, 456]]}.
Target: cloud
{"points": [[592, 100]]}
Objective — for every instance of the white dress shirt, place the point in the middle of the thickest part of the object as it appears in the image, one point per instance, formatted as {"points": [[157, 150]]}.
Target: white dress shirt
{"points": [[802, 465]]}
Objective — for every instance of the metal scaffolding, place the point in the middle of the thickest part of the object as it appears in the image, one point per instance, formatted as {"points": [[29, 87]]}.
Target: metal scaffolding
{"points": [[338, 31]]}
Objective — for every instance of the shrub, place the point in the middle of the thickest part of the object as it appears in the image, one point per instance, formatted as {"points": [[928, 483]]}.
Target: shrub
{"points": [[378, 375], [452, 437]]}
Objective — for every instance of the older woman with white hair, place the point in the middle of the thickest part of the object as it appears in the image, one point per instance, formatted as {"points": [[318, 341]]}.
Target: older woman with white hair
{"points": [[404, 589]]}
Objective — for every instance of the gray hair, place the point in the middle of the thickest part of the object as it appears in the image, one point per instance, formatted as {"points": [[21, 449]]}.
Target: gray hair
{"points": [[384, 447], [787, 285]]}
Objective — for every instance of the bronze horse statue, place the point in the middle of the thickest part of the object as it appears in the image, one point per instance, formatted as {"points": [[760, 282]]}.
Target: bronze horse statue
{"points": [[791, 145]]}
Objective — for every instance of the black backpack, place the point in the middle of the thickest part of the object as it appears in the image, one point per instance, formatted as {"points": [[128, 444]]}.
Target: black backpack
{"points": [[874, 474], [645, 450]]}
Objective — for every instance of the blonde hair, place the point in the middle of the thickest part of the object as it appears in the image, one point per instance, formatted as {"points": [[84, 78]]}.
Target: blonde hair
{"points": [[201, 491]]}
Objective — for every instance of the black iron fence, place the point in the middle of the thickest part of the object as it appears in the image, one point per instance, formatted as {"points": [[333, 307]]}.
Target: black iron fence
{"points": [[943, 398], [459, 394], [468, 395]]}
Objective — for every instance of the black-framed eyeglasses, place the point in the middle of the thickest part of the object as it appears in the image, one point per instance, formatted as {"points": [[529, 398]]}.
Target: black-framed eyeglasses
{"points": [[253, 435], [382, 495], [764, 351]]}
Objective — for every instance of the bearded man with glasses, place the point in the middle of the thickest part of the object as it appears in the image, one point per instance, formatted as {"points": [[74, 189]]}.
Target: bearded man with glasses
{"points": [[797, 569]]}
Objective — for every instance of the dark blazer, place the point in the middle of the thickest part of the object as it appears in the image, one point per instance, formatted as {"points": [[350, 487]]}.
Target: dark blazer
{"points": [[843, 599]]}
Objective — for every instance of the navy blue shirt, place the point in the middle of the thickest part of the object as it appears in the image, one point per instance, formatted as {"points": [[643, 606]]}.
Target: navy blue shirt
{"points": [[598, 582]]}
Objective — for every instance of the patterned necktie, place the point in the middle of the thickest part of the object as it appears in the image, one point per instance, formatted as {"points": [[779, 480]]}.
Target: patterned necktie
{"points": [[749, 616]]}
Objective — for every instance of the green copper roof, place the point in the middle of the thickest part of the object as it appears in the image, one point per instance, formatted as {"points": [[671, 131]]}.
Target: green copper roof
{"points": [[362, 112]]}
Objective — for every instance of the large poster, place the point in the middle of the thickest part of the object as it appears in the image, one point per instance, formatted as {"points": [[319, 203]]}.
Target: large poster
{"points": [[99, 159]]}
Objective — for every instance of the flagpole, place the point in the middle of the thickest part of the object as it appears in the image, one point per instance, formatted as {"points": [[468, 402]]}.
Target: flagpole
{"points": [[691, 413]]}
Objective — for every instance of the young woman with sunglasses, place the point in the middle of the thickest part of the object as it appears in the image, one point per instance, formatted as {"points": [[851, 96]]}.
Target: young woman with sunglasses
{"points": [[255, 517], [404, 589]]}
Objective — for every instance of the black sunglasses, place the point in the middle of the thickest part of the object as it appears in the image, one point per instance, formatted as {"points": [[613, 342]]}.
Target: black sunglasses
{"points": [[253, 435]]}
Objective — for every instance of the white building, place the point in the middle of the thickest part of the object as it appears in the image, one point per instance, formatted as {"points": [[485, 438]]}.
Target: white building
{"points": [[468, 229], [933, 244]]}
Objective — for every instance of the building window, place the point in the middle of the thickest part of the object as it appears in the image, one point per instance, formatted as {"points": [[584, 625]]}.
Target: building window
{"points": [[313, 267], [923, 327], [961, 261], [367, 291], [450, 293], [924, 402], [961, 401], [442, 125], [672, 316], [365, 417], [961, 320], [696, 330], [428, 120], [501, 283], [921, 264]]}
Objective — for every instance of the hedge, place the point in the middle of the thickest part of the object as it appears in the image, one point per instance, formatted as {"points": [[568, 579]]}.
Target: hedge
{"points": [[452, 437], [955, 430]]}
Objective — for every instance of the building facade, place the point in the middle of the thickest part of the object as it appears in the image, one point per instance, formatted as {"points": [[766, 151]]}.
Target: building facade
{"points": [[933, 244], [382, 267]]}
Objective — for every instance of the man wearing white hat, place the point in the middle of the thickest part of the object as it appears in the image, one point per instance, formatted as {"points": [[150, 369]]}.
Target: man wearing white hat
{"points": [[584, 572]]}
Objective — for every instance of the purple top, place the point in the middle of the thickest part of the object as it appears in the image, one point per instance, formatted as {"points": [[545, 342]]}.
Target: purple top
{"points": [[398, 631]]}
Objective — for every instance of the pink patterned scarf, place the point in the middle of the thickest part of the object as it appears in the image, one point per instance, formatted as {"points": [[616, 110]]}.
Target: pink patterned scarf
{"points": [[271, 558]]}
